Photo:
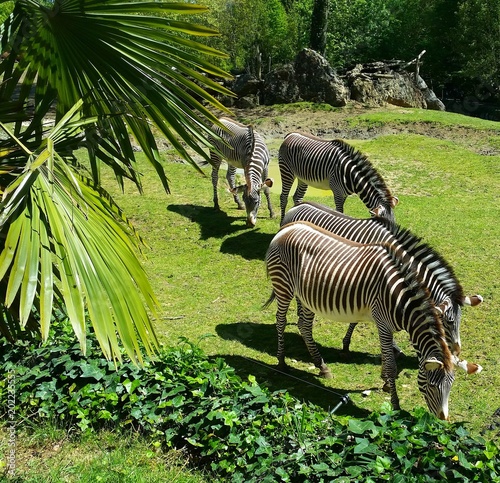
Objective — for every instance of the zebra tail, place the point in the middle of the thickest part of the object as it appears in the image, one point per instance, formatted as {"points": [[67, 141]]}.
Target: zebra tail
{"points": [[270, 300]]}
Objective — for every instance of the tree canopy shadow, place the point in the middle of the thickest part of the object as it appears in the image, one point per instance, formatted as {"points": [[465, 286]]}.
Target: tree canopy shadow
{"points": [[302, 385], [213, 223], [250, 245], [263, 338]]}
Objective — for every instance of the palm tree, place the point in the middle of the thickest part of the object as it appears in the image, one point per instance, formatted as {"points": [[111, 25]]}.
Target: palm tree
{"points": [[90, 74]]}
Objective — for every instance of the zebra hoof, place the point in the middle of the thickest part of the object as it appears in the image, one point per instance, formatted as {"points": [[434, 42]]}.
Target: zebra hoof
{"points": [[325, 374], [386, 387], [283, 368]]}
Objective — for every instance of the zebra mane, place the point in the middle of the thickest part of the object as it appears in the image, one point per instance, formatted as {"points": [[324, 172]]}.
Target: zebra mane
{"points": [[420, 294], [250, 148], [365, 167], [422, 251]]}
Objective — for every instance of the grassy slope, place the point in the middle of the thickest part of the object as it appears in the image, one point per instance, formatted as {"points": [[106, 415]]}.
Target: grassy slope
{"points": [[208, 271]]}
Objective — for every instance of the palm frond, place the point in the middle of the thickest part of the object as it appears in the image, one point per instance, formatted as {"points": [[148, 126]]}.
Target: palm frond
{"points": [[142, 66]]}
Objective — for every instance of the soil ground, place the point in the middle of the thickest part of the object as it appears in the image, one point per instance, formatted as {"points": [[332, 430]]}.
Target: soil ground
{"points": [[273, 123]]}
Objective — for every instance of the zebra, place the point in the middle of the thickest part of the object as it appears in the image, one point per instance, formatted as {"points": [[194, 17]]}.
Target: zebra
{"points": [[343, 280], [333, 165], [434, 271], [241, 147]]}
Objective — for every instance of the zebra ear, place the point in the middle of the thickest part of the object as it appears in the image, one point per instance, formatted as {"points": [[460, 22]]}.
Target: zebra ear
{"points": [[432, 364], [268, 182], [376, 212], [443, 307], [468, 367], [473, 300], [394, 201]]}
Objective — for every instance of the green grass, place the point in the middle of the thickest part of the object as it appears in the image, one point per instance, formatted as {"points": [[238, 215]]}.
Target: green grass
{"points": [[208, 273], [49, 455], [421, 116]]}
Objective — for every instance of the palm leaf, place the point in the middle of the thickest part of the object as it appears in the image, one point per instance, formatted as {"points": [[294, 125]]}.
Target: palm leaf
{"points": [[96, 72], [147, 54]]}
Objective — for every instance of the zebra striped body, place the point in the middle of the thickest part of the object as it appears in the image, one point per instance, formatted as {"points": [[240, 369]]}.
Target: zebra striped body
{"points": [[243, 148], [344, 281], [434, 272], [332, 165]]}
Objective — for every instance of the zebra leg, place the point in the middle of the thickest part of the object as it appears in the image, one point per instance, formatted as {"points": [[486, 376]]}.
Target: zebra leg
{"points": [[215, 162], [389, 367], [280, 329], [285, 191], [346, 341], [300, 192], [339, 199], [306, 319], [231, 179]]}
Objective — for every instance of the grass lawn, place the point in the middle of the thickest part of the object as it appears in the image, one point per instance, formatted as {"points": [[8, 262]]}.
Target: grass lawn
{"points": [[208, 272]]}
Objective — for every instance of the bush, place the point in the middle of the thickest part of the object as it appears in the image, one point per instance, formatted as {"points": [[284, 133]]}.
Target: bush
{"points": [[237, 429]]}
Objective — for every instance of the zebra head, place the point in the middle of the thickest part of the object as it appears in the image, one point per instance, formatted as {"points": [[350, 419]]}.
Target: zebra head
{"points": [[386, 209], [251, 198], [435, 379]]}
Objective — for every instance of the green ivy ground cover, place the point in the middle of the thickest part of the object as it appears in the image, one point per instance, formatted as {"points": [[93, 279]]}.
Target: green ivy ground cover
{"points": [[237, 430]]}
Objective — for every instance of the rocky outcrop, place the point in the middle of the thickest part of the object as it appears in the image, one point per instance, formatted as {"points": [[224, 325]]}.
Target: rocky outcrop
{"points": [[311, 78], [316, 80]]}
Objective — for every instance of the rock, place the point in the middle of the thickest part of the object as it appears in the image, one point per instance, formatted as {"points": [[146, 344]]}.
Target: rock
{"points": [[245, 85], [280, 86], [311, 78], [395, 88], [316, 80], [431, 99], [247, 102]]}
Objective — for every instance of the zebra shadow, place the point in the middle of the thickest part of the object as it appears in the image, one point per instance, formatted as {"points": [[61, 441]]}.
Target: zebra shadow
{"points": [[302, 385], [251, 245], [213, 224], [263, 338]]}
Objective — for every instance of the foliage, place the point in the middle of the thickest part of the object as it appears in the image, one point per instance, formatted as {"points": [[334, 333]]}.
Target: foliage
{"points": [[480, 41], [356, 31], [255, 33], [63, 240], [238, 429], [458, 36]]}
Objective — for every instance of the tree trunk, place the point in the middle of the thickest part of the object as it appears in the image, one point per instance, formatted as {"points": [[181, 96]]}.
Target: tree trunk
{"points": [[319, 25]]}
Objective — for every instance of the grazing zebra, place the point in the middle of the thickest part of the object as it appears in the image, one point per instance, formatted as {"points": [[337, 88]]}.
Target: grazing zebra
{"points": [[343, 280], [241, 147], [435, 273], [333, 165]]}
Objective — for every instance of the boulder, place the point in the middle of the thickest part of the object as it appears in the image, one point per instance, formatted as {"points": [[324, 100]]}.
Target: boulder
{"points": [[316, 80], [280, 86], [380, 83], [245, 85], [311, 78]]}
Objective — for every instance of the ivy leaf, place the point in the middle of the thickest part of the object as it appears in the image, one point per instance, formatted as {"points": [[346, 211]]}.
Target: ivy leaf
{"points": [[358, 426], [364, 446], [91, 371]]}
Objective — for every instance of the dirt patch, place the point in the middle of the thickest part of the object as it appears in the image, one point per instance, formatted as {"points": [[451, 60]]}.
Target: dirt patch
{"points": [[274, 123]]}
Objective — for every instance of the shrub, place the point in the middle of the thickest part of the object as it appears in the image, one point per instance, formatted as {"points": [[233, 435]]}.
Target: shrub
{"points": [[238, 429]]}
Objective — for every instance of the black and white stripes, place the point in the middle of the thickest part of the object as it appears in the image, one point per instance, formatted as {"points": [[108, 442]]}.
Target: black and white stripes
{"points": [[333, 165], [433, 270], [344, 281], [244, 148]]}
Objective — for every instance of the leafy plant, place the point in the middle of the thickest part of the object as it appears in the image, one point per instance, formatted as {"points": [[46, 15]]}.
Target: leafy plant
{"points": [[237, 429], [63, 240]]}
